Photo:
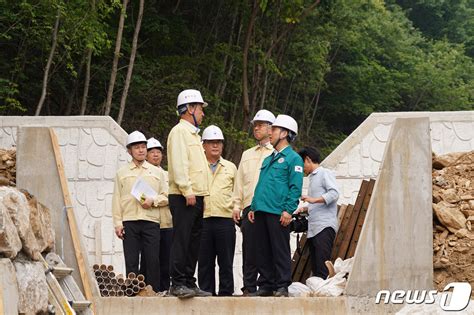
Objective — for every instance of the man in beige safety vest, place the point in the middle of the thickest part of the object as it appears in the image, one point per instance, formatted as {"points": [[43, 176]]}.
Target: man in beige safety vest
{"points": [[155, 156], [245, 182], [188, 184], [218, 230], [137, 217]]}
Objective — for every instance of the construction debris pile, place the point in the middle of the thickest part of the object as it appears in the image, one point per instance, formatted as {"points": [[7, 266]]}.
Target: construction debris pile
{"points": [[8, 167], [25, 233], [453, 218], [111, 284]]}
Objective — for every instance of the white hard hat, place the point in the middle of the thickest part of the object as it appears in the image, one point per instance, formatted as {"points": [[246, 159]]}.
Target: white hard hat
{"points": [[135, 137], [286, 122], [152, 143], [190, 96], [264, 115], [212, 133]]}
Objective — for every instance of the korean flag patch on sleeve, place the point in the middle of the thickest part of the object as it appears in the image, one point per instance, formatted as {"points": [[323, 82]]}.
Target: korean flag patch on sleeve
{"points": [[298, 169]]}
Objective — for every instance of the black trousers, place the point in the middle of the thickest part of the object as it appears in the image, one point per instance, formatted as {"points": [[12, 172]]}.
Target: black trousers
{"points": [[166, 236], [320, 247], [217, 240], [187, 225], [249, 253], [142, 242], [273, 252]]}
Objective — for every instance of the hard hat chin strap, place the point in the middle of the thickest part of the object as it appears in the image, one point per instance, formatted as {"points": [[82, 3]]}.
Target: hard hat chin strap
{"points": [[279, 139], [194, 117]]}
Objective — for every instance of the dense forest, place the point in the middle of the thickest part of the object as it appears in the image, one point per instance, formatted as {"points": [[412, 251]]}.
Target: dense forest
{"points": [[327, 63]]}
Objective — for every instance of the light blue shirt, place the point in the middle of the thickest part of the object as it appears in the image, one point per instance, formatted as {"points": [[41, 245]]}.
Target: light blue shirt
{"points": [[322, 183]]}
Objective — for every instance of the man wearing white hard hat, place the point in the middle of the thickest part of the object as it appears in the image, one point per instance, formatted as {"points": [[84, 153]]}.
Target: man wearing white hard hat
{"points": [[245, 182], [155, 156], [218, 231], [137, 220], [276, 198], [188, 184]]}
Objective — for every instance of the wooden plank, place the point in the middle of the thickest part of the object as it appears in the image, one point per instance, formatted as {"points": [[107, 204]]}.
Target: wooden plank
{"points": [[59, 294], [306, 271], [352, 221], [341, 231], [340, 213], [296, 256], [71, 218], [302, 263], [360, 220], [58, 310]]}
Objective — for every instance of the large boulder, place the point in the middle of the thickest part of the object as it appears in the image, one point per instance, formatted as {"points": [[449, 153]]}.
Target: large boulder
{"points": [[450, 195], [10, 243], [40, 221], [32, 286], [450, 216], [442, 161], [19, 211]]}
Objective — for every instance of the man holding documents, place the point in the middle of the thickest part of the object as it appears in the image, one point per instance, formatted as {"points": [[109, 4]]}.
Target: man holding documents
{"points": [[138, 192], [188, 184]]}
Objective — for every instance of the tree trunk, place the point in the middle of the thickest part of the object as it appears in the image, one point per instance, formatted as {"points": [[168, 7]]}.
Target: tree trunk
{"points": [[87, 79], [48, 63], [72, 96], [131, 63], [245, 86], [118, 44], [315, 108]]}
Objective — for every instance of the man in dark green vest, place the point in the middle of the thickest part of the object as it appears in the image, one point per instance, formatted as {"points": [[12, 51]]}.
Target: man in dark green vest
{"points": [[276, 198]]}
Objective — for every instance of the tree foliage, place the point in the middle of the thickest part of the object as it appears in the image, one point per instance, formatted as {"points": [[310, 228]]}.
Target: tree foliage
{"points": [[329, 64]]}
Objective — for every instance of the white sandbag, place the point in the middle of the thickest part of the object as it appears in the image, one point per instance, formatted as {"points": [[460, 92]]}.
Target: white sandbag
{"points": [[314, 283], [333, 286], [343, 265], [299, 289]]}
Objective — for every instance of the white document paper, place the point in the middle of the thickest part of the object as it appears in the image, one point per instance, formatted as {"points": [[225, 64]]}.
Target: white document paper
{"points": [[141, 190]]}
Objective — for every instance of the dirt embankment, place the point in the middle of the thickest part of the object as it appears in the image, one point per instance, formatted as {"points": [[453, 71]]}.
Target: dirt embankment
{"points": [[453, 218]]}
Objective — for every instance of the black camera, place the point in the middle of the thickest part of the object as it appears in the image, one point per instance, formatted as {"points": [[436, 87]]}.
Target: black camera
{"points": [[298, 224]]}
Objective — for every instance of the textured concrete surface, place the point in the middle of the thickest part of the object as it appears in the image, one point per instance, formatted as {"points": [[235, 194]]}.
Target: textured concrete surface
{"points": [[395, 247], [8, 287], [37, 173], [360, 155], [92, 151], [242, 305]]}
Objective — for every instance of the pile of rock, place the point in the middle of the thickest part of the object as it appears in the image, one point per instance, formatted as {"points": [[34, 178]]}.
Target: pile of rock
{"points": [[453, 219], [8, 167], [25, 233]]}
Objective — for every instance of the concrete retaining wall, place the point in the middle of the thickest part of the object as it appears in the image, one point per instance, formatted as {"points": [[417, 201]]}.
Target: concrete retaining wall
{"points": [[360, 155], [92, 149], [395, 248]]}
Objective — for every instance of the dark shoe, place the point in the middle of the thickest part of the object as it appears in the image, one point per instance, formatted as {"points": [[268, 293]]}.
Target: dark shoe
{"points": [[280, 292], [262, 292], [247, 292], [182, 292], [200, 293]]}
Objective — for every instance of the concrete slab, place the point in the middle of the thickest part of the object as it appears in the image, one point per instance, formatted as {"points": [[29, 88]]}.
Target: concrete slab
{"points": [[8, 288], [241, 305], [37, 173], [395, 247]]}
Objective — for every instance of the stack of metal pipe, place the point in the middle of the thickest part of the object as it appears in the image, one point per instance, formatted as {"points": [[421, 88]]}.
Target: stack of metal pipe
{"points": [[111, 284]]}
